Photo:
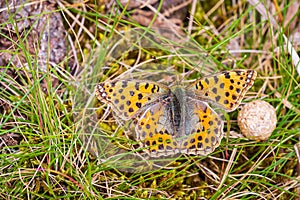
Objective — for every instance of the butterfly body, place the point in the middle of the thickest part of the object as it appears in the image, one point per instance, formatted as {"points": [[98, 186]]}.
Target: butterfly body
{"points": [[177, 119]]}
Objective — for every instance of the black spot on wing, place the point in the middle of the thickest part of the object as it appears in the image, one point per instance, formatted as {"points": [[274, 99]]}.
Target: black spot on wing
{"points": [[200, 145], [199, 85], [206, 81], [227, 75], [216, 79], [161, 147], [213, 139], [137, 86], [139, 105], [140, 96], [214, 90], [124, 84]]}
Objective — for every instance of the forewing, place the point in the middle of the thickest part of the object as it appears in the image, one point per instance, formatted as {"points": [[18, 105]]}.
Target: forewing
{"points": [[128, 97], [226, 89]]}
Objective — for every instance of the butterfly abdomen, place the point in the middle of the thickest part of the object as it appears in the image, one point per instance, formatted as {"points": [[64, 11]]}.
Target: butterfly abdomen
{"points": [[180, 116], [175, 114]]}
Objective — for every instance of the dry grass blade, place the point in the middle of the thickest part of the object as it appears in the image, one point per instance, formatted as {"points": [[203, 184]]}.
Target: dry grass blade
{"points": [[259, 6], [57, 141]]}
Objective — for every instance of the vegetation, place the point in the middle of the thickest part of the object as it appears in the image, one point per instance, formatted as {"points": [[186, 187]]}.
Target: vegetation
{"points": [[50, 119]]}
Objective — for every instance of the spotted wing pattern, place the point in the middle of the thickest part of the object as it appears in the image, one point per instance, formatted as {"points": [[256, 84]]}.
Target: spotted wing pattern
{"points": [[155, 131], [175, 120], [128, 98], [206, 133], [226, 89]]}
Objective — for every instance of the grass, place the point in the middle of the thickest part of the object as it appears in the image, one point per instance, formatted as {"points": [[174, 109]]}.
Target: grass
{"points": [[58, 141]]}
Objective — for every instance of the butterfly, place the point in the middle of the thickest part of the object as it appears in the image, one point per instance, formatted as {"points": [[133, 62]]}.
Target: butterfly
{"points": [[177, 119]]}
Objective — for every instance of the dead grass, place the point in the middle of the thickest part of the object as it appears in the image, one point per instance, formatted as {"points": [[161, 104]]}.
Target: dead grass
{"points": [[46, 111]]}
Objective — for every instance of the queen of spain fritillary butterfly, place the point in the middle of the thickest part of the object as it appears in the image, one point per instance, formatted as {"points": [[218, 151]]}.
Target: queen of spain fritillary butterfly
{"points": [[177, 119]]}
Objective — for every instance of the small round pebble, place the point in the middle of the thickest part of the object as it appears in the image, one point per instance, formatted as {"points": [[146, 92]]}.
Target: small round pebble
{"points": [[257, 120]]}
